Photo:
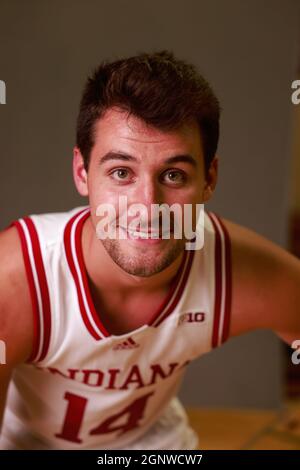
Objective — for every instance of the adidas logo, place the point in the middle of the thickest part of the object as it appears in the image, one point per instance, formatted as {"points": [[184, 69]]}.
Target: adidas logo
{"points": [[127, 344]]}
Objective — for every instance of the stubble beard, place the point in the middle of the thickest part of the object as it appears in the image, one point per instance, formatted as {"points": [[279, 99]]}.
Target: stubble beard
{"points": [[146, 262]]}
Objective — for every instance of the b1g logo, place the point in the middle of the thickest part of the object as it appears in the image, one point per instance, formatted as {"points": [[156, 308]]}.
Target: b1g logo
{"points": [[296, 354], [2, 92], [192, 317]]}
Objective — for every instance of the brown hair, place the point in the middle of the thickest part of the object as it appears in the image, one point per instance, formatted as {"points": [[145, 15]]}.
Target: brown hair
{"points": [[162, 91]]}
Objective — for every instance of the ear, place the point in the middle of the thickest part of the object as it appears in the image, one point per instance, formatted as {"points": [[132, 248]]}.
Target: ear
{"points": [[211, 180], [79, 173]]}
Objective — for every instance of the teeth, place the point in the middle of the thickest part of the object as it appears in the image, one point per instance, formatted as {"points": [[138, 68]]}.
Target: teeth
{"points": [[142, 234]]}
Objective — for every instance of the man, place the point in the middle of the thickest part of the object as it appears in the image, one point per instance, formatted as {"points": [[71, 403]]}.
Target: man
{"points": [[99, 329]]}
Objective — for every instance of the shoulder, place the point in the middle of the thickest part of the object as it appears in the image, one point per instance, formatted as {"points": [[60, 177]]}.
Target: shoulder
{"points": [[24, 299], [16, 326], [252, 254], [265, 279], [49, 228]]}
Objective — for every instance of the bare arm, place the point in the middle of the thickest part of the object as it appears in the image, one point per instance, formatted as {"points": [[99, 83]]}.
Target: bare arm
{"points": [[266, 285], [16, 319]]}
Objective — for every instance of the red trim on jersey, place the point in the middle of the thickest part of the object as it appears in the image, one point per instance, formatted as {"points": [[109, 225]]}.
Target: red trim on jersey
{"points": [[218, 285], [222, 283], [228, 277], [71, 263], [79, 254], [32, 290], [180, 282], [45, 315], [43, 286], [177, 285]]}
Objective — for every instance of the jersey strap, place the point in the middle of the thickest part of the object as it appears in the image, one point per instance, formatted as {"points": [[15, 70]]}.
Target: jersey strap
{"points": [[38, 287], [223, 281]]}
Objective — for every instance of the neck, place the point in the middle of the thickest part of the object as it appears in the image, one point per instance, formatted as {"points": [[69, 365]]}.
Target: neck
{"points": [[107, 275]]}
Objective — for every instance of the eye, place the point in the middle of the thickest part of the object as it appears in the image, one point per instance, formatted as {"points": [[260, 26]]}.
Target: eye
{"points": [[120, 174], [175, 176]]}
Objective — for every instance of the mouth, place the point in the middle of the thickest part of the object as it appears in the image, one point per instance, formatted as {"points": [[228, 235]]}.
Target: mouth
{"points": [[147, 236]]}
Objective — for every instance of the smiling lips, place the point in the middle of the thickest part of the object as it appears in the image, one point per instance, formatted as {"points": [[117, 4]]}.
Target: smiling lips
{"points": [[148, 237]]}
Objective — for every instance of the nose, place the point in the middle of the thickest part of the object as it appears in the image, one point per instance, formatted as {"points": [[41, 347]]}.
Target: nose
{"points": [[147, 193]]}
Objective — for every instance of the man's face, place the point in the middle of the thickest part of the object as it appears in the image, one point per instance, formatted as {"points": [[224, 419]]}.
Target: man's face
{"points": [[132, 159]]}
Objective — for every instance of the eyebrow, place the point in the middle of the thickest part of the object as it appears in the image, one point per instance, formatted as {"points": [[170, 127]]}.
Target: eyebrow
{"points": [[185, 158]]}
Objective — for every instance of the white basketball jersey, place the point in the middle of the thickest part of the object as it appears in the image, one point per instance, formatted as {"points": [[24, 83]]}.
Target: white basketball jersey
{"points": [[85, 388]]}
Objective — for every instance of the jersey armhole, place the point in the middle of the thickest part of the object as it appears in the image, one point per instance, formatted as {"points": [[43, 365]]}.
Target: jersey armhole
{"points": [[38, 287]]}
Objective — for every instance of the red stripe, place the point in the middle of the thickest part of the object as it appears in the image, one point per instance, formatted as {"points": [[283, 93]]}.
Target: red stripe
{"points": [[33, 294], [228, 279], [172, 306], [37, 254], [88, 295], [218, 284], [155, 321], [69, 256]]}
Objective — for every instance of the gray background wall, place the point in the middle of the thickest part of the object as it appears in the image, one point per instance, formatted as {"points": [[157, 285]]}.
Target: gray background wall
{"points": [[246, 48]]}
